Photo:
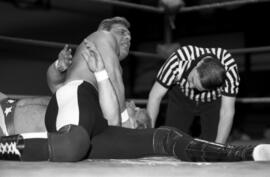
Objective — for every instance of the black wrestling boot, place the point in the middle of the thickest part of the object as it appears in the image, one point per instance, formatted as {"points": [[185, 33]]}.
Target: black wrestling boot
{"points": [[204, 151], [165, 139], [11, 147], [173, 142]]}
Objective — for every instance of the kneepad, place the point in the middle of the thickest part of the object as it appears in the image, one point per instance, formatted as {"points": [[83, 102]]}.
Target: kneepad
{"points": [[71, 143]]}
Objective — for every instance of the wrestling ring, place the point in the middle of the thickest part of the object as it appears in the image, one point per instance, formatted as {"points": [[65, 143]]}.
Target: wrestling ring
{"points": [[150, 166]]}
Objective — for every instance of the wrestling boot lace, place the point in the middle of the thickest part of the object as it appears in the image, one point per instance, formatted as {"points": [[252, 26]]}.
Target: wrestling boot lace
{"points": [[203, 151], [11, 147], [240, 153]]}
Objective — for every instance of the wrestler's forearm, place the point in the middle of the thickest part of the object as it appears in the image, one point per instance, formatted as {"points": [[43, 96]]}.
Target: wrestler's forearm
{"points": [[54, 78], [109, 102], [117, 83], [120, 92], [114, 70]]}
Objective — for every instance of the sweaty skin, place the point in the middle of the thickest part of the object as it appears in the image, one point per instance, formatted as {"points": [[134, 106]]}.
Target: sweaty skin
{"points": [[28, 116], [109, 49], [113, 47]]}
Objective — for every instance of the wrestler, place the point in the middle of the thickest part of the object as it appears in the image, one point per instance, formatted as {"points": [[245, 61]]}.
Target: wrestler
{"points": [[77, 124], [27, 114], [113, 42], [131, 118]]}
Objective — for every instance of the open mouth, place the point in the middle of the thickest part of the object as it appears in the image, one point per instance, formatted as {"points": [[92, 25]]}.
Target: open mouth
{"points": [[125, 45]]}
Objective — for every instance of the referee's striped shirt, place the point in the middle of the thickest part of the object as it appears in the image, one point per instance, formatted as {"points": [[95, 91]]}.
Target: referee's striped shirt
{"points": [[177, 67]]}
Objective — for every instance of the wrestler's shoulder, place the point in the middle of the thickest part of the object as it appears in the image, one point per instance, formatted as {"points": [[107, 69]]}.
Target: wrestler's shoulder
{"points": [[101, 36]]}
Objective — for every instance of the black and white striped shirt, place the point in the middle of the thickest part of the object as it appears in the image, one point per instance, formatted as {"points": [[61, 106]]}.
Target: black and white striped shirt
{"points": [[177, 67]]}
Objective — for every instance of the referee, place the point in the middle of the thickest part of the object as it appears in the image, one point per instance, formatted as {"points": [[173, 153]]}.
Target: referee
{"points": [[200, 82]]}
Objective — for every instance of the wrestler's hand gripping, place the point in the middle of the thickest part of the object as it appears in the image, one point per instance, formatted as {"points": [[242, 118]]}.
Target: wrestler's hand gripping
{"points": [[92, 57]]}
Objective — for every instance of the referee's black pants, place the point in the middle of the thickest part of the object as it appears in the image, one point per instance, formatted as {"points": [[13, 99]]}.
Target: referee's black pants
{"points": [[181, 112]]}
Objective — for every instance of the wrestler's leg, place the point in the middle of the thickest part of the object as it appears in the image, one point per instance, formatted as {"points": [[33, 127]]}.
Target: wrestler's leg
{"points": [[118, 142], [71, 143], [122, 143], [72, 117], [68, 143], [173, 141], [76, 103]]}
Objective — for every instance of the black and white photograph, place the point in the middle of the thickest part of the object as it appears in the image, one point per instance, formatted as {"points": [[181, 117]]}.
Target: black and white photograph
{"points": [[136, 88]]}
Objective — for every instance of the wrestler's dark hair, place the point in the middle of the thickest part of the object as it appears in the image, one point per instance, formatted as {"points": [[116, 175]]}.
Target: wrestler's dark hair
{"points": [[107, 23], [211, 72]]}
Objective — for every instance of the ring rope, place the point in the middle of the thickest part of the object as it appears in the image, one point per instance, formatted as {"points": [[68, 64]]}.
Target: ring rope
{"points": [[220, 5], [61, 45], [144, 101], [131, 5], [238, 100], [34, 42], [264, 49], [183, 9]]}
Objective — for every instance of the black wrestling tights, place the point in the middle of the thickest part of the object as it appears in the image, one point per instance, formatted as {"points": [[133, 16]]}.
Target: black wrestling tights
{"points": [[122, 143]]}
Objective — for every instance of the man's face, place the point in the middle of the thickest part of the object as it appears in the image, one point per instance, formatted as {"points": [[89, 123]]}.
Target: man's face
{"points": [[194, 80], [123, 37], [138, 116]]}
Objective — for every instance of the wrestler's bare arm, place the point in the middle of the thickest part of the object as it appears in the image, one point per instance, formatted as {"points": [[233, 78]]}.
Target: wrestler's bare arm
{"points": [[56, 73], [107, 47], [107, 96]]}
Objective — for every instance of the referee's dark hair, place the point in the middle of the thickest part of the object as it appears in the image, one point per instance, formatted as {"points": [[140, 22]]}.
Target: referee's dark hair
{"points": [[211, 72]]}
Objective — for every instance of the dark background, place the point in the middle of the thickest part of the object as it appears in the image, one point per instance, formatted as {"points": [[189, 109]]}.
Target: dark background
{"points": [[23, 66]]}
